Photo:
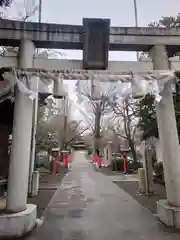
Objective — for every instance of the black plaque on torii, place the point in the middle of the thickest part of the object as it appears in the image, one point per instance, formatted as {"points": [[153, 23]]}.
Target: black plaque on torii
{"points": [[95, 43]]}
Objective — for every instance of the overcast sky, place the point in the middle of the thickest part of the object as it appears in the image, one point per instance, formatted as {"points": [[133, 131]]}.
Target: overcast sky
{"points": [[121, 13]]}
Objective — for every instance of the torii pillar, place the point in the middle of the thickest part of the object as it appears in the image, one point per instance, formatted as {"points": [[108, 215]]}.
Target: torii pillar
{"points": [[168, 210], [20, 217]]}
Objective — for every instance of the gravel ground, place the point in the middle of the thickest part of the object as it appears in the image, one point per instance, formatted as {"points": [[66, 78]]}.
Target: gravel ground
{"points": [[147, 201], [131, 188]]}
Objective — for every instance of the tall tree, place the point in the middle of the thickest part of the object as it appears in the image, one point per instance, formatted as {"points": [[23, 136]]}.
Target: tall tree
{"points": [[146, 112], [125, 122], [5, 3], [95, 109], [74, 131], [45, 134], [146, 107], [25, 10]]}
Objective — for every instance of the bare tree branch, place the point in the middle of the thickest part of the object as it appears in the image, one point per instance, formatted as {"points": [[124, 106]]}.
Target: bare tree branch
{"points": [[127, 121], [76, 136]]}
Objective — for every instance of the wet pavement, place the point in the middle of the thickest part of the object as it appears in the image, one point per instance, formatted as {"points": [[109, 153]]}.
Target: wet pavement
{"points": [[89, 206]]}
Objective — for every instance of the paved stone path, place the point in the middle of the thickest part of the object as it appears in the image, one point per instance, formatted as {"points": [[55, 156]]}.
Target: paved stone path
{"points": [[89, 206]]}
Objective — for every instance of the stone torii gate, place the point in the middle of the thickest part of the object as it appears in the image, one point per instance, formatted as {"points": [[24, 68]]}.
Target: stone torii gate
{"points": [[16, 198], [24, 215]]}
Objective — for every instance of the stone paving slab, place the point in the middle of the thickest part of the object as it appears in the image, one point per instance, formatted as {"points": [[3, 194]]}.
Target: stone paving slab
{"points": [[89, 206], [122, 177]]}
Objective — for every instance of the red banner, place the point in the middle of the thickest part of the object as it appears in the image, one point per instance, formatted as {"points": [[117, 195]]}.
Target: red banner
{"points": [[54, 166], [67, 160], [98, 160], [125, 162]]}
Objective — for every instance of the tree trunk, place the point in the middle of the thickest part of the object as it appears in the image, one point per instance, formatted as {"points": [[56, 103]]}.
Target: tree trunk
{"points": [[97, 127], [97, 124], [132, 147]]}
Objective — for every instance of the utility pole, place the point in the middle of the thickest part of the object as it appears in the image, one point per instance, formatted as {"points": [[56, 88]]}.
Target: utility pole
{"points": [[65, 103], [96, 97], [39, 16], [40, 10], [136, 21]]}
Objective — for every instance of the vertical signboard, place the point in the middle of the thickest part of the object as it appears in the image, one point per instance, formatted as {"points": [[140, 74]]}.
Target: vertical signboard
{"points": [[96, 43]]}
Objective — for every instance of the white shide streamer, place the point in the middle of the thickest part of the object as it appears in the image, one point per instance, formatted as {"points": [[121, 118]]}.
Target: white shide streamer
{"points": [[124, 84]]}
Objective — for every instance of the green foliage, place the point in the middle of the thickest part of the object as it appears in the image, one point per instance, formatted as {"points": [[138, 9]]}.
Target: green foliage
{"points": [[146, 108], [45, 134], [147, 114], [147, 117], [5, 3], [89, 152], [51, 167], [159, 173], [168, 22], [118, 165], [133, 166], [158, 168]]}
